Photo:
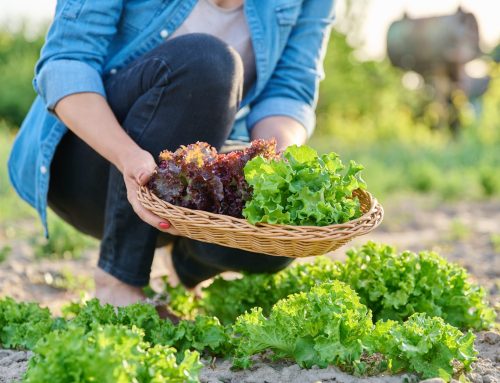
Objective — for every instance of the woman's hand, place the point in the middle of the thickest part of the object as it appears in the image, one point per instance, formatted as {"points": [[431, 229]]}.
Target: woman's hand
{"points": [[89, 116], [137, 169]]}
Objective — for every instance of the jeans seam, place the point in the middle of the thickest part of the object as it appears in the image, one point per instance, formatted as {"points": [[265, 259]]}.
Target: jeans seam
{"points": [[160, 96], [111, 245]]}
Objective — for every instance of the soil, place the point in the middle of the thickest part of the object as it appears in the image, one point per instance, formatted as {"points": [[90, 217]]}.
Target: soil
{"points": [[12, 365], [462, 232]]}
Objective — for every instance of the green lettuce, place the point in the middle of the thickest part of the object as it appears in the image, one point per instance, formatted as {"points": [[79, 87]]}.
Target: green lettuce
{"points": [[330, 326], [228, 299], [107, 354], [302, 188], [23, 324], [204, 334], [393, 285], [396, 285], [423, 344], [321, 327]]}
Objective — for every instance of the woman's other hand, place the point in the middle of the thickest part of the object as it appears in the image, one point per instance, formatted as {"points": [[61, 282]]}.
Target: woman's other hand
{"points": [[284, 129], [137, 169]]}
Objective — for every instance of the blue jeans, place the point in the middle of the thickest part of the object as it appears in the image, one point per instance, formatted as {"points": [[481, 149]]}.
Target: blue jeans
{"points": [[186, 90]]}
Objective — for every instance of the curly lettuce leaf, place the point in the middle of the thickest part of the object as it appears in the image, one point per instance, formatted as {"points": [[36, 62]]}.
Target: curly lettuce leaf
{"points": [[228, 299], [204, 334], [23, 324], [302, 188], [396, 285], [105, 354], [321, 327], [426, 345]]}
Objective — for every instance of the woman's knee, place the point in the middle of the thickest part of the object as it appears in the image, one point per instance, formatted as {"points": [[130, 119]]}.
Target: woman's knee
{"points": [[203, 62]]}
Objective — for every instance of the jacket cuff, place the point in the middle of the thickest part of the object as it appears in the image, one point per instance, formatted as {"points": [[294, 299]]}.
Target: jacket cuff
{"points": [[60, 78], [281, 106]]}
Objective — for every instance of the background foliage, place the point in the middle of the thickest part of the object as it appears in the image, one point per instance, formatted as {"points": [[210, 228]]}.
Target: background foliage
{"points": [[18, 55]]}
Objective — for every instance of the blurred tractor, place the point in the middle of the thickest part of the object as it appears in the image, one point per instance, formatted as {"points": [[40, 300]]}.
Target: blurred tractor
{"points": [[438, 48]]}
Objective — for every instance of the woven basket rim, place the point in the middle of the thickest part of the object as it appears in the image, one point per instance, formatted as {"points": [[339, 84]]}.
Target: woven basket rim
{"points": [[272, 239], [374, 205]]}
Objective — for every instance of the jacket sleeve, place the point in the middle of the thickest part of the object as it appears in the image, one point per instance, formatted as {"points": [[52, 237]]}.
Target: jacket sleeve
{"points": [[293, 87], [72, 58]]}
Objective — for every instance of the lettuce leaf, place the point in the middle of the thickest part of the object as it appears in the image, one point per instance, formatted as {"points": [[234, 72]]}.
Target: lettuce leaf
{"points": [[23, 324], [204, 334], [321, 327], [228, 299], [302, 188], [109, 353], [426, 345], [396, 285]]}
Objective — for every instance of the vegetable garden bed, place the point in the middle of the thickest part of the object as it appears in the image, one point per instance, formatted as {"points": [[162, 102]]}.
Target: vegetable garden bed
{"points": [[377, 313], [486, 369]]}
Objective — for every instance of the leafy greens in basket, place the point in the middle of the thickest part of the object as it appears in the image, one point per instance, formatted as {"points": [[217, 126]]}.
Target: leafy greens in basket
{"points": [[302, 188], [298, 187], [197, 177]]}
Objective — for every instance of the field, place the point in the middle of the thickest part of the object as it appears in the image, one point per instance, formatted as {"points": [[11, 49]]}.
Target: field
{"points": [[440, 193]]}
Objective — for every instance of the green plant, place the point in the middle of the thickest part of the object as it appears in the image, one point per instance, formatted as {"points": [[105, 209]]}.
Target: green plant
{"points": [[182, 302], [302, 188], [228, 299], [326, 325], [423, 344], [397, 285], [321, 327], [424, 177], [108, 354], [13, 208], [393, 285], [329, 325], [489, 181], [202, 334], [18, 55], [23, 324]]}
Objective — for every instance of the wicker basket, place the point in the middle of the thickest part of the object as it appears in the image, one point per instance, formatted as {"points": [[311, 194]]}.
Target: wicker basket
{"points": [[284, 240]]}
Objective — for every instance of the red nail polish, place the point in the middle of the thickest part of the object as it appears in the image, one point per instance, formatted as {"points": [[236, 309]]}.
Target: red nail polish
{"points": [[164, 225]]}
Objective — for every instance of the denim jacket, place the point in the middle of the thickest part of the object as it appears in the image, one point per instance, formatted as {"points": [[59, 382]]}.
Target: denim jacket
{"points": [[92, 39]]}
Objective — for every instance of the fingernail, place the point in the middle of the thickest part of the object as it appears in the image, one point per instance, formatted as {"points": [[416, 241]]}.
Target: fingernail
{"points": [[164, 225]]}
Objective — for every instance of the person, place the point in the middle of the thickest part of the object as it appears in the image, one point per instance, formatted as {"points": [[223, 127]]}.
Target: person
{"points": [[118, 81]]}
